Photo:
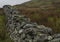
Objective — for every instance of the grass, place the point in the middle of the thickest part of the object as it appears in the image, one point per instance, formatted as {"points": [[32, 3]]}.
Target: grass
{"points": [[3, 30]]}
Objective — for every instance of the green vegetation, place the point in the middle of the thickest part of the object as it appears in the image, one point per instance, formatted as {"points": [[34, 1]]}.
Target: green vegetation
{"points": [[3, 30]]}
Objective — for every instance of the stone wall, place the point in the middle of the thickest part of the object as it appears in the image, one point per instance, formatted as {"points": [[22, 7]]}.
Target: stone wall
{"points": [[21, 29]]}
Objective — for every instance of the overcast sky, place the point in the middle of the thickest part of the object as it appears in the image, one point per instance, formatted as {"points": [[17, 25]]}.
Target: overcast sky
{"points": [[11, 2]]}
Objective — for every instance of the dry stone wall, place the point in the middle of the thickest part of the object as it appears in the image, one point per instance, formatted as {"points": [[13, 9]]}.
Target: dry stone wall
{"points": [[21, 29]]}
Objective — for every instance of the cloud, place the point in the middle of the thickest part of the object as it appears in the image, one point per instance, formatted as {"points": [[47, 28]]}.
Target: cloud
{"points": [[11, 2]]}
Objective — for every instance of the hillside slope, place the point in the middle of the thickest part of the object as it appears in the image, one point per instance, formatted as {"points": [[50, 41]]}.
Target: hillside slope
{"points": [[46, 12]]}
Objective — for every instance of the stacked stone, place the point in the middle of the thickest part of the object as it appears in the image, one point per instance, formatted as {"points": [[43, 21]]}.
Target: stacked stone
{"points": [[56, 38], [21, 29], [15, 22]]}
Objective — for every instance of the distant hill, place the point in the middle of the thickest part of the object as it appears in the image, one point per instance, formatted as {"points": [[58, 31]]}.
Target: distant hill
{"points": [[44, 12], [41, 3]]}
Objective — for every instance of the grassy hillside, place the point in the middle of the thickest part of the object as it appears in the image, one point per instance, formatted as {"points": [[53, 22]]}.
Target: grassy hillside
{"points": [[45, 12]]}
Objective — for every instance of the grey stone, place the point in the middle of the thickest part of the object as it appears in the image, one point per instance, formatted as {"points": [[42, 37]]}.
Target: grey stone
{"points": [[55, 40], [45, 30], [56, 36]]}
